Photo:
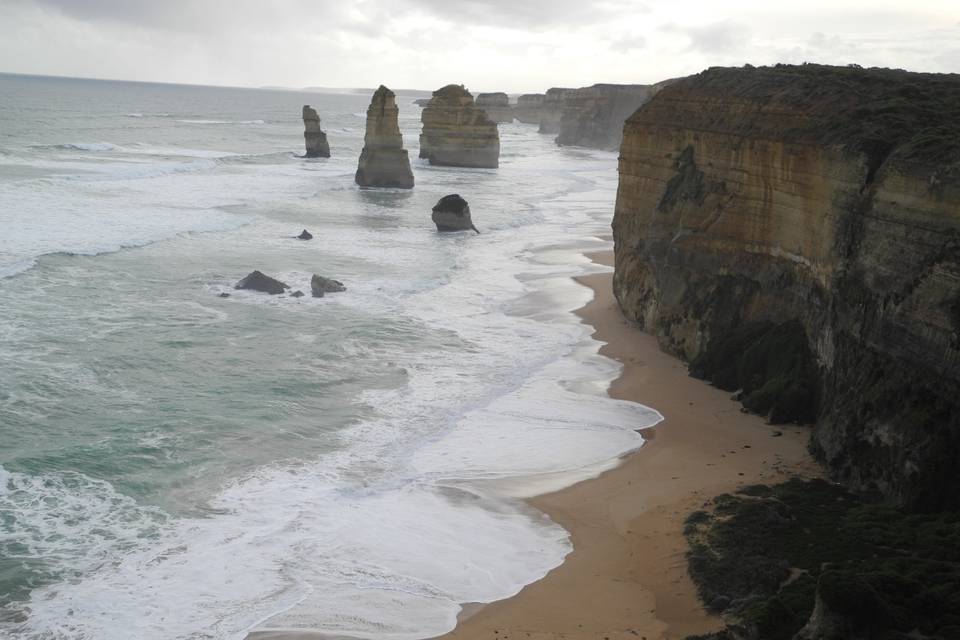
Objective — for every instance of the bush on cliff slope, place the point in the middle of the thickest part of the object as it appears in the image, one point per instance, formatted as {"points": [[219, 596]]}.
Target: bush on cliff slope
{"points": [[766, 555]]}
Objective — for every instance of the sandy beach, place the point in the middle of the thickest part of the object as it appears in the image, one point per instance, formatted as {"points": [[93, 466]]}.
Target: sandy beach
{"points": [[627, 576]]}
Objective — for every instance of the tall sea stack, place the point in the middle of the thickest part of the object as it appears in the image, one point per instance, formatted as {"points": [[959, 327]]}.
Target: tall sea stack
{"points": [[794, 231], [456, 132], [384, 161], [315, 140]]}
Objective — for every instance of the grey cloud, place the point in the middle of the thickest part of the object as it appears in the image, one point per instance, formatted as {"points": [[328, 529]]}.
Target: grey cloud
{"points": [[628, 43], [718, 37], [528, 13]]}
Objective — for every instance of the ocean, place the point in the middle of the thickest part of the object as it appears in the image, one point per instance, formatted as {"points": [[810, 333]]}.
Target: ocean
{"points": [[175, 464]]}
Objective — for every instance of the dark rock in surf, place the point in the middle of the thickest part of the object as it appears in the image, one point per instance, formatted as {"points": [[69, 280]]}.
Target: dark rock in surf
{"points": [[452, 213], [257, 281], [296, 294], [305, 235], [321, 286], [224, 295]]}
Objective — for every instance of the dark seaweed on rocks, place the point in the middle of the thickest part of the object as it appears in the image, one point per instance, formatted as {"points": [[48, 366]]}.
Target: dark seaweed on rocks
{"points": [[771, 364], [807, 559]]}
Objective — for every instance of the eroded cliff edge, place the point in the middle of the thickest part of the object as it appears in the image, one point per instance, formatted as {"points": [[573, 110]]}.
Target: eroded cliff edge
{"points": [[823, 203]]}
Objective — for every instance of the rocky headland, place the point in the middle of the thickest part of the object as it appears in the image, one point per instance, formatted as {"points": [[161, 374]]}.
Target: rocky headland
{"points": [[594, 116], [527, 109], [496, 105], [384, 162], [456, 132], [315, 140], [794, 233], [551, 109]]}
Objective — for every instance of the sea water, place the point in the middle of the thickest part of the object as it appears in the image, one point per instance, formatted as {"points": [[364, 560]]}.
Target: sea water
{"points": [[176, 464]]}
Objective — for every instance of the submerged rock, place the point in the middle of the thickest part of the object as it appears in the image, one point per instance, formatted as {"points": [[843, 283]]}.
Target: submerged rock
{"points": [[257, 281], [321, 286], [297, 294], [457, 133], [315, 140], [496, 106], [305, 235], [452, 213], [384, 162]]}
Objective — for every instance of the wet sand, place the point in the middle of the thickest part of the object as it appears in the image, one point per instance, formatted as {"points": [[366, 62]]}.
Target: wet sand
{"points": [[627, 575]]}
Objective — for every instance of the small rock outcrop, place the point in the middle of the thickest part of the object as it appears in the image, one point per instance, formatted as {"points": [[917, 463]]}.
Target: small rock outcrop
{"points": [[528, 107], [315, 140], [452, 213], [551, 109], [457, 133], [384, 162], [297, 294], [320, 286], [257, 281], [305, 235], [496, 106]]}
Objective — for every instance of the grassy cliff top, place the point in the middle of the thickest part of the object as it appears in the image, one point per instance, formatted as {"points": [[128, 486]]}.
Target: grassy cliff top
{"points": [[876, 111]]}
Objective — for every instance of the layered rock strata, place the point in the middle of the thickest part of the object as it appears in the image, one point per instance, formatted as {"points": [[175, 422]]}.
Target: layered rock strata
{"points": [[496, 105], [528, 107], [826, 199], [551, 110], [456, 132], [594, 116], [384, 162], [315, 140]]}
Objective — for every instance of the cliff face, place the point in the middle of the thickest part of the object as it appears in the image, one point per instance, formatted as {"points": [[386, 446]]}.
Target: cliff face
{"points": [[594, 116], [551, 111], [825, 200], [314, 139], [384, 161], [496, 105], [527, 109], [456, 132]]}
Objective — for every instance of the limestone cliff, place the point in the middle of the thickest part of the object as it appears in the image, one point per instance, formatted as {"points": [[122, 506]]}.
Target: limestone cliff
{"points": [[823, 202], [384, 161], [594, 116], [496, 105], [315, 140], [456, 132], [527, 109], [551, 110]]}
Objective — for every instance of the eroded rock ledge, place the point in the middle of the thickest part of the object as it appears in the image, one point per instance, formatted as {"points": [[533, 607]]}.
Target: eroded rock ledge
{"points": [[828, 198]]}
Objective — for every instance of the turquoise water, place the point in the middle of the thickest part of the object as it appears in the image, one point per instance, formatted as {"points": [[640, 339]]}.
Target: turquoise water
{"points": [[174, 464]]}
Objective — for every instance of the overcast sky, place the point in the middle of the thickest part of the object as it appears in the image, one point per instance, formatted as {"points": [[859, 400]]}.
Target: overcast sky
{"points": [[510, 45]]}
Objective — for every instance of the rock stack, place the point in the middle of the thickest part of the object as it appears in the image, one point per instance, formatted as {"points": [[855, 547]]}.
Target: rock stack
{"points": [[452, 213], [315, 140], [384, 161], [527, 109], [456, 132], [496, 105]]}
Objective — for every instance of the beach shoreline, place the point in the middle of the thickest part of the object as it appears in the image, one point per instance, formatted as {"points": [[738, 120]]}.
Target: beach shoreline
{"points": [[627, 574]]}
